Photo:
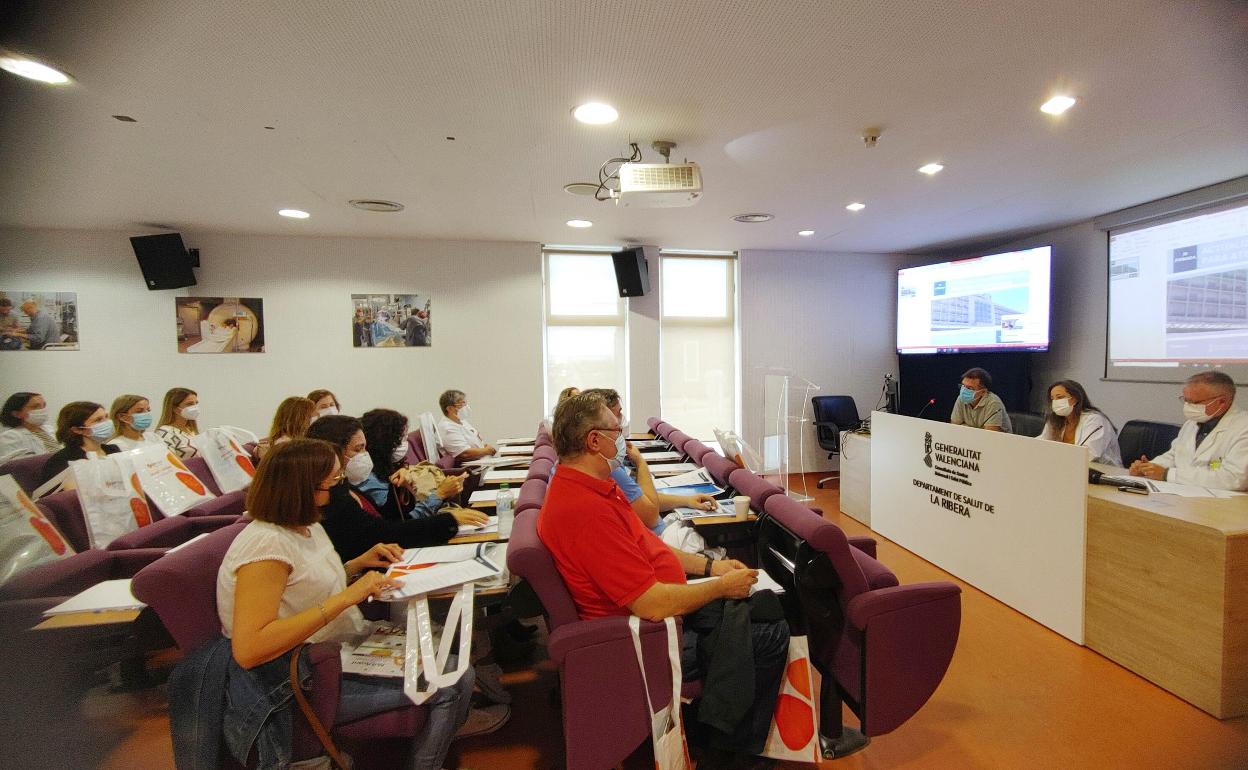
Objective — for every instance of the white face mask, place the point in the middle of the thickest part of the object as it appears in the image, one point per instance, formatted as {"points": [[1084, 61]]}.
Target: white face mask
{"points": [[37, 417], [189, 412], [399, 452], [465, 412], [359, 467], [1196, 412], [327, 411], [1062, 406]]}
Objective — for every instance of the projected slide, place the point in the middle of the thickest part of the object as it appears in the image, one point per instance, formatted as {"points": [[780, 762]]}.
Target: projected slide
{"points": [[1178, 292], [997, 302]]}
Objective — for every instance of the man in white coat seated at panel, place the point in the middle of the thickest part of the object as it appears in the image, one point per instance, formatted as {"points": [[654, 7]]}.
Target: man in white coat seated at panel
{"points": [[1211, 449]]}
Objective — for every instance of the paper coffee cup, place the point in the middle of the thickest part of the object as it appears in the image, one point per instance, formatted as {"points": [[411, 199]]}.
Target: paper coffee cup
{"points": [[742, 504]]}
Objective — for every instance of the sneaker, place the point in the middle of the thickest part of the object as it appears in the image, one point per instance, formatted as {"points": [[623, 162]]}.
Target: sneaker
{"points": [[484, 721], [489, 682]]}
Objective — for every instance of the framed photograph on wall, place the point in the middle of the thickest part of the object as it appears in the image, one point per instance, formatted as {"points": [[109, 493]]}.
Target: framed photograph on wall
{"points": [[38, 320], [220, 324], [391, 321]]}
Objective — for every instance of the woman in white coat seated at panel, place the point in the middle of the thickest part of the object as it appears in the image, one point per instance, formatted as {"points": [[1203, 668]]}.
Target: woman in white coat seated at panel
{"points": [[1072, 419]]}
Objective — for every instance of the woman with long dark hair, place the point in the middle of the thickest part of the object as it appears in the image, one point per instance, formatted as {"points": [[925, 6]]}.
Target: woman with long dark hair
{"points": [[1072, 419], [23, 417], [385, 432]]}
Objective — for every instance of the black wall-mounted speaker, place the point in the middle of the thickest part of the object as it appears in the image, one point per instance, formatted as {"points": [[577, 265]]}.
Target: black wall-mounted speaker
{"points": [[163, 260], [632, 276]]}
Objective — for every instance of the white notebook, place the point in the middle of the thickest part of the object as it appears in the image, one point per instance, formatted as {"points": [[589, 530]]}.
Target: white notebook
{"points": [[101, 597]]}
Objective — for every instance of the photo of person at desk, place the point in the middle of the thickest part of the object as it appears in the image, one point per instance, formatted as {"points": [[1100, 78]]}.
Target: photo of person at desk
{"points": [[1211, 449], [1072, 419], [977, 406]]}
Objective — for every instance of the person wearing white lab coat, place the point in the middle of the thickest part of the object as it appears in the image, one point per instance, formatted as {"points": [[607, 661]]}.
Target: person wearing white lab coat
{"points": [[1211, 449], [1072, 419]]}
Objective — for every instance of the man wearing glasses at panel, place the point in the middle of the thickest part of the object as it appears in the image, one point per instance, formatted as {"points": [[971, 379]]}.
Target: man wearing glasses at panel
{"points": [[1211, 449]]}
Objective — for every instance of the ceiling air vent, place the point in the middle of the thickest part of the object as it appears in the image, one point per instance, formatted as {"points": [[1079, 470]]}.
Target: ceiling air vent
{"points": [[385, 207]]}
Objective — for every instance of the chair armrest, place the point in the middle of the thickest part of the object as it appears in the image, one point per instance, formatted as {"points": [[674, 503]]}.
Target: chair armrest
{"points": [[126, 564], [864, 607], [584, 633], [863, 543]]}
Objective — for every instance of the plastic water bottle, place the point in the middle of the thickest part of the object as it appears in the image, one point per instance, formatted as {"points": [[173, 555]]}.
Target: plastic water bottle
{"points": [[505, 506]]}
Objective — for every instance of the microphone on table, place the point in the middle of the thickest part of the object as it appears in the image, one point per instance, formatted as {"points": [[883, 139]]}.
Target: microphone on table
{"points": [[930, 401]]}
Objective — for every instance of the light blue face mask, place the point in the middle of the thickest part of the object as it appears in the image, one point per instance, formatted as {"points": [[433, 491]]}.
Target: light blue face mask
{"points": [[102, 431], [966, 395], [621, 448], [141, 420]]}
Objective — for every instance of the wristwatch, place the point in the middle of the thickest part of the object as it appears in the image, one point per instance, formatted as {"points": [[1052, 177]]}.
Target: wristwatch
{"points": [[707, 571]]}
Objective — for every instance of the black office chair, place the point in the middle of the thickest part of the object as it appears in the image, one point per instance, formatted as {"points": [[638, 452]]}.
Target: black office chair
{"points": [[1144, 437], [1026, 423], [833, 414]]}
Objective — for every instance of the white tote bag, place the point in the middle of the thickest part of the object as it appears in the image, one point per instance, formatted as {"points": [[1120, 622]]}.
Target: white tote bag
{"points": [[227, 461], [794, 733], [166, 480], [667, 732], [112, 500], [27, 538], [420, 657]]}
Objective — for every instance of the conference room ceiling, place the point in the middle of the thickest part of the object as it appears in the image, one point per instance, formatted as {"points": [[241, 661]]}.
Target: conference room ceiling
{"points": [[770, 98]]}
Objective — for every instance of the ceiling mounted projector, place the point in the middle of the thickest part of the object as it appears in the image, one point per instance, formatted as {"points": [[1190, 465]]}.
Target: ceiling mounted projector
{"points": [[659, 185]]}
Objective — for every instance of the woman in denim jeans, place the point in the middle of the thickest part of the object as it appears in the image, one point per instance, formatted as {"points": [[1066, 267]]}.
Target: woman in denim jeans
{"points": [[282, 584]]}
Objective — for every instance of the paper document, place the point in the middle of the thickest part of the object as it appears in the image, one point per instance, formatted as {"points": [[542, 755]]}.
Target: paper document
{"points": [[440, 554], [1187, 490], [483, 496], [660, 457], [499, 461], [651, 443], [672, 469], [505, 476], [417, 580], [469, 529], [515, 450], [726, 508], [516, 442], [693, 477], [765, 583], [101, 597], [381, 654]]}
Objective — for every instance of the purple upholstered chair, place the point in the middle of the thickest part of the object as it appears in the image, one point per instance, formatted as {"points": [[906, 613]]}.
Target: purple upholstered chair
{"points": [[662, 429], [229, 504], [540, 469], [182, 589], [720, 468], [882, 648], [678, 439], [252, 448], [758, 489], [26, 471], [65, 513], [653, 423], [532, 493], [546, 452], [199, 466], [415, 448], [604, 707], [170, 532], [697, 450], [543, 439]]}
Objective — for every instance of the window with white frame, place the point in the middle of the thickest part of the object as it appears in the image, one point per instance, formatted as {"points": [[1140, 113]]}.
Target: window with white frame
{"points": [[699, 344], [585, 325]]}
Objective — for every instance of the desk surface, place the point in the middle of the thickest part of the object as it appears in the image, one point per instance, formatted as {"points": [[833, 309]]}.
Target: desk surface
{"points": [[710, 521], [78, 619], [1228, 516]]}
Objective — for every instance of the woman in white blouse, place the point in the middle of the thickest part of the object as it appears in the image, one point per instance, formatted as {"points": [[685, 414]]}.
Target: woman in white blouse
{"points": [[24, 416], [282, 584], [132, 421], [178, 421], [1072, 419]]}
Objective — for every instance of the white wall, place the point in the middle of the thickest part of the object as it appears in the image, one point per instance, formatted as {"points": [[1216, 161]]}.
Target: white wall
{"points": [[487, 331], [827, 317], [1077, 345]]}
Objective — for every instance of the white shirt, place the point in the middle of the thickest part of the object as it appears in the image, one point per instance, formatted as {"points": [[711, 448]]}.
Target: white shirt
{"points": [[458, 436], [1095, 432], [22, 442], [126, 444], [316, 573], [1221, 461]]}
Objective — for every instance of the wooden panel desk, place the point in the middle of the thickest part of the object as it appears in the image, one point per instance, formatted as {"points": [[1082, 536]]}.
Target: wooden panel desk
{"points": [[1166, 592]]}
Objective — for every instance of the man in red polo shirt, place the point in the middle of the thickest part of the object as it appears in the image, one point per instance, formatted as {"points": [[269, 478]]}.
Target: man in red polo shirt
{"points": [[613, 564]]}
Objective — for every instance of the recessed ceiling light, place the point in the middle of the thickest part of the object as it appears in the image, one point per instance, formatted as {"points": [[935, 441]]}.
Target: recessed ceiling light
{"points": [[1058, 104], [805, 233], [931, 169], [855, 206], [595, 113], [380, 206], [29, 68], [753, 218], [293, 213], [579, 223]]}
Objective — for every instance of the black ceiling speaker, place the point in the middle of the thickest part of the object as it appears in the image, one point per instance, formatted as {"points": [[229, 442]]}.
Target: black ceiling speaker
{"points": [[163, 260], [632, 276]]}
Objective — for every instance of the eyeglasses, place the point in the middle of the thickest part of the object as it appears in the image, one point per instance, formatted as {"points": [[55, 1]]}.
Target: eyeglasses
{"points": [[335, 481], [607, 430], [1200, 403]]}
